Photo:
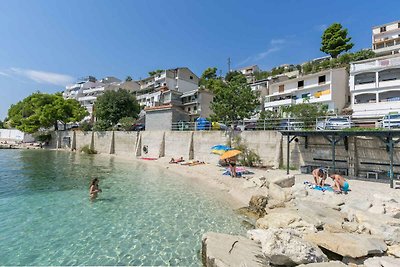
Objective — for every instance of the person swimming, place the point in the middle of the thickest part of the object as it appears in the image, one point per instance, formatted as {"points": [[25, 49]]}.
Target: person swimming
{"points": [[94, 188]]}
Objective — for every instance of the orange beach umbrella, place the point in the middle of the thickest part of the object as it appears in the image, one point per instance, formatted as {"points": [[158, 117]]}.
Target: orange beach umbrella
{"points": [[230, 154]]}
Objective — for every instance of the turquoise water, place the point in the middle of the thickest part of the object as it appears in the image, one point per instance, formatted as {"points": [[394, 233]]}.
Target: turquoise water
{"points": [[144, 216]]}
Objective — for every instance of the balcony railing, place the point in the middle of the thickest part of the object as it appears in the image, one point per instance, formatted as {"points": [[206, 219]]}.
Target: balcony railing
{"points": [[378, 63], [277, 103]]}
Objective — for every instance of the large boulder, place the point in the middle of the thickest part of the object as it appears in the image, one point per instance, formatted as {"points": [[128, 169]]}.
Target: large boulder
{"points": [[379, 225], [284, 181], [227, 250], [276, 192], [258, 202], [348, 245], [285, 218], [394, 251], [285, 247], [321, 215], [382, 262]]}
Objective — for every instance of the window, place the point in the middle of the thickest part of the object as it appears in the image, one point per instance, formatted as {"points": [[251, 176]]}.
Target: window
{"points": [[300, 84], [398, 25], [383, 29], [195, 108], [191, 77], [188, 109], [281, 88], [321, 79]]}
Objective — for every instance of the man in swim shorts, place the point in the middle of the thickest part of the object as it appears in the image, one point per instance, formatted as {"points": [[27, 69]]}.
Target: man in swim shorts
{"points": [[319, 176], [341, 185]]}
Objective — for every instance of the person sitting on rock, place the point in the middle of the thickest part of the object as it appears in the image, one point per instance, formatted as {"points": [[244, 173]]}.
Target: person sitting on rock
{"points": [[319, 175], [341, 185]]}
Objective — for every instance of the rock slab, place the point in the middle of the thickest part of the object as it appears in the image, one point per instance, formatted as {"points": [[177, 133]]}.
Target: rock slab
{"points": [[382, 262], [227, 250], [348, 245], [284, 247]]}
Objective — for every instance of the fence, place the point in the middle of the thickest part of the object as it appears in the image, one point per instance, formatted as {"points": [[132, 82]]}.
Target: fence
{"points": [[320, 123]]}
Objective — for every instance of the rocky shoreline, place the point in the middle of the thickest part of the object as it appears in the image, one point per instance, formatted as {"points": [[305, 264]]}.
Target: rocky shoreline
{"points": [[296, 225]]}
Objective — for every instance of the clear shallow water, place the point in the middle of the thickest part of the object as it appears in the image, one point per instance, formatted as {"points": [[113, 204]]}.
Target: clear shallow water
{"points": [[143, 217]]}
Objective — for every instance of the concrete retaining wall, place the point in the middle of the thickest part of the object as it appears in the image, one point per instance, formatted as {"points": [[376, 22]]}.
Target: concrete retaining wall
{"points": [[363, 154], [178, 144], [125, 143]]}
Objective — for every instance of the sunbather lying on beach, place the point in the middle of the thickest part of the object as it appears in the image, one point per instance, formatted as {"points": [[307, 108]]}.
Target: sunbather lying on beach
{"points": [[176, 160], [341, 185], [193, 163]]}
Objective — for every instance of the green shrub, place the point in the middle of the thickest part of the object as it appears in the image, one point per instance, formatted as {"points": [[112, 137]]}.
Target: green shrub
{"points": [[248, 157], [86, 126], [101, 125], [126, 123], [87, 150]]}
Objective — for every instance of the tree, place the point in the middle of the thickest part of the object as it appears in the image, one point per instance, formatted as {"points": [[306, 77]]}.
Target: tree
{"points": [[232, 74], [335, 40], [128, 79], [233, 100], [114, 105], [208, 75], [306, 112], [1, 125], [41, 110]]}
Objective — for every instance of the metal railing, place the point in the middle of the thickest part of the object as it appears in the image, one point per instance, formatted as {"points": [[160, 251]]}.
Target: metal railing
{"points": [[332, 122]]}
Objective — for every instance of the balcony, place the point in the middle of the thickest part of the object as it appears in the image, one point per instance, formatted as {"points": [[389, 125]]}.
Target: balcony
{"points": [[93, 90], [375, 64], [87, 98], [277, 103]]}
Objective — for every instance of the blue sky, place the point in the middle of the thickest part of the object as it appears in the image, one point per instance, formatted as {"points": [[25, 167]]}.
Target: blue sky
{"points": [[45, 45]]}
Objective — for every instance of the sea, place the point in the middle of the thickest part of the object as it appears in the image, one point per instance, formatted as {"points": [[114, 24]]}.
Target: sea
{"points": [[144, 216]]}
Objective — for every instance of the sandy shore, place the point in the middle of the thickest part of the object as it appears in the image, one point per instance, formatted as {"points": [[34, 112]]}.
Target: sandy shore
{"points": [[238, 191]]}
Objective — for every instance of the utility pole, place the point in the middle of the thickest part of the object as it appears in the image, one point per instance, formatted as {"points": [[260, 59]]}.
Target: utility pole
{"points": [[229, 64]]}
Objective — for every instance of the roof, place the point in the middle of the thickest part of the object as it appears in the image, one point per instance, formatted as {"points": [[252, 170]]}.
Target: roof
{"points": [[307, 76], [386, 24]]}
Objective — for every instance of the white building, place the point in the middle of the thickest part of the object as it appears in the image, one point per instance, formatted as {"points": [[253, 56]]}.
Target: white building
{"points": [[179, 79], [88, 89], [249, 72], [375, 86], [386, 39], [328, 87], [15, 135]]}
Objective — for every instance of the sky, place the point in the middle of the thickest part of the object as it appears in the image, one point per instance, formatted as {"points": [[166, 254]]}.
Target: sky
{"points": [[46, 44]]}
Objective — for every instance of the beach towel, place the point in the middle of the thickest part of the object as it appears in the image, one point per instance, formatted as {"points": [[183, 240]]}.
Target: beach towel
{"points": [[149, 158], [318, 187]]}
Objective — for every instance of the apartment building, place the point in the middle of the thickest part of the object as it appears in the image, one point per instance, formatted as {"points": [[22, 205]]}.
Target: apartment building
{"points": [[86, 90], [375, 86], [179, 79], [386, 39], [197, 103], [328, 87], [249, 72], [74, 91]]}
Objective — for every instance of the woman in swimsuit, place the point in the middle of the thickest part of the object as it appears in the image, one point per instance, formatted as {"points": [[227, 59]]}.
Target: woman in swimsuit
{"points": [[232, 166], [94, 188]]}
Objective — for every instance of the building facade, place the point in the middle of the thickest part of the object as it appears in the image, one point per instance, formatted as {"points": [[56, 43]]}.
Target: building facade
{"points": [[375, 86], [179, 79], [386, 39], [197, 103], [249, 72], [86, 90], [328, 87]]}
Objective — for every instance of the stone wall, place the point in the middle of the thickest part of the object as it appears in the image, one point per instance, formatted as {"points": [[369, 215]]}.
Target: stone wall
{"points": [[361, 156]]}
